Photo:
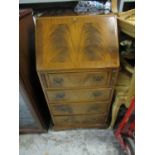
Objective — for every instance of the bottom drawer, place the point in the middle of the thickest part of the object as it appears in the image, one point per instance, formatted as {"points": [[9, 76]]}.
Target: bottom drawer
{"points": [[79, 119], [79, 108], [77, 126]]}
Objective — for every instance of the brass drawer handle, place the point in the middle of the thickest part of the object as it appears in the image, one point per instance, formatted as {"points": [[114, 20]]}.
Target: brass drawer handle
{"points": [[58, 80], [60, 95], [98, 78], [97, 93]]}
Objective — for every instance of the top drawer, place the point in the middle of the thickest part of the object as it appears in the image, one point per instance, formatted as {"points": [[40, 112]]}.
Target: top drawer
{"points": [[81, 79]]}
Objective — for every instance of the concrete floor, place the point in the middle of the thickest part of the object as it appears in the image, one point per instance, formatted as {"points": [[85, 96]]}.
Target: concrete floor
{"points": [[70, 142]]}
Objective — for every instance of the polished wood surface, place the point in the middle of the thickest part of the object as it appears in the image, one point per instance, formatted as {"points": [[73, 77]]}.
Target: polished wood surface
{"points": [[83, 126], [79, 108], [79, 119], [75, 95], [76, 42], [77, 64], [80, 79]]}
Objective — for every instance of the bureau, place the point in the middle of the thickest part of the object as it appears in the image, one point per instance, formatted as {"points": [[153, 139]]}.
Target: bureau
{"points": [[77, 62]]}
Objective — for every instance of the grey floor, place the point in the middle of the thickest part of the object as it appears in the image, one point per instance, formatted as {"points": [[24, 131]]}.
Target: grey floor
{"points": [[70, 142]]}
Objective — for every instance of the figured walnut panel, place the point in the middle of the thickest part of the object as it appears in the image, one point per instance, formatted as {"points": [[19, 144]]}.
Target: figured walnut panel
{"points": [[77, 42]]}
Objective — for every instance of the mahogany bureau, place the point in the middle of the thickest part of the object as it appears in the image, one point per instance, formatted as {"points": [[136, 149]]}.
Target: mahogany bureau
{"points": [[77, 63]]}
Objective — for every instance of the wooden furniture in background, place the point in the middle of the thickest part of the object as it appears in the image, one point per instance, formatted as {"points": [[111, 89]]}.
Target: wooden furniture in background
{"points": [[114, 6], [126, 22], [125, 86], [33, 112], [124, 90], [77, 64]]}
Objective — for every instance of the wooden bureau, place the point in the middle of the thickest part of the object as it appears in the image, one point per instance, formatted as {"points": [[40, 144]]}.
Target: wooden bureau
{"points": [[77, 63]]}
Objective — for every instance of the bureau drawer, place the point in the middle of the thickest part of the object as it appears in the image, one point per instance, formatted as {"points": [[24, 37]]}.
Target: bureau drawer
{"points": [[81, 79], [79, 119], [77, 95], [79, 108]]}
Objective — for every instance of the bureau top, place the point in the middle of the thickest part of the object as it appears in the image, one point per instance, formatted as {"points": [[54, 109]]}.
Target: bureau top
{"points": [[76, 42]]}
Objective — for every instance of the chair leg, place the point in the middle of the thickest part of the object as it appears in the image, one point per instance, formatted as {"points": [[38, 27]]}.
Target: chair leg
{"points": [[115, 109]]}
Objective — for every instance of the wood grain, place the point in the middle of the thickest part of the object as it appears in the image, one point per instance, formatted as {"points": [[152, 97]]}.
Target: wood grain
{"points": [[79, 119], [69, 80], [77, 95], [76, 126], [77, 64], [77, 42], [79, 108]]}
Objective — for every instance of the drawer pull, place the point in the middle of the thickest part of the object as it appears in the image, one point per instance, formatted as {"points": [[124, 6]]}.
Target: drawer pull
{"points": [[97, 93], [60, 95], [58, 80], [98, 78]]}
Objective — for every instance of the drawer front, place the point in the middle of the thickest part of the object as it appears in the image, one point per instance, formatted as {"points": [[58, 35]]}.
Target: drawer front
{"points": [[78, 79], [79, 108], [99, 94], [79, 119]]}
